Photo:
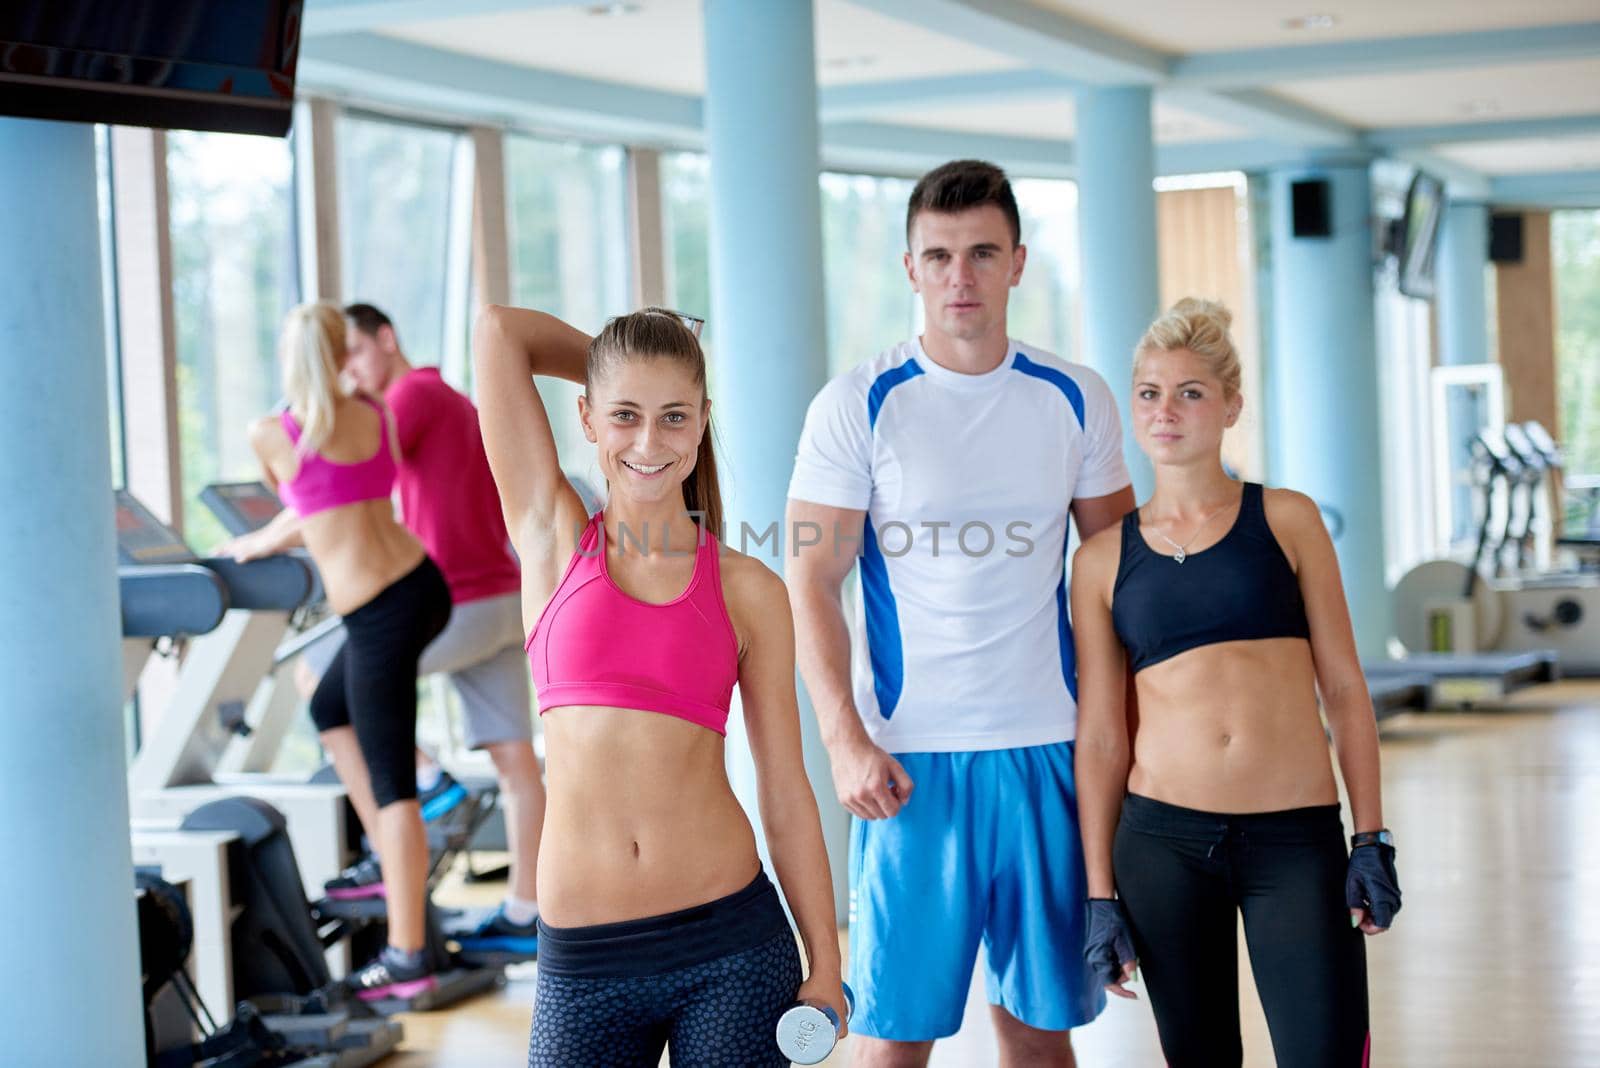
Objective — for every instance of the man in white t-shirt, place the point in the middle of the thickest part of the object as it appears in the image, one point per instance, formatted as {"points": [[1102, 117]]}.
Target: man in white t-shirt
{"points": [[951, 463]]}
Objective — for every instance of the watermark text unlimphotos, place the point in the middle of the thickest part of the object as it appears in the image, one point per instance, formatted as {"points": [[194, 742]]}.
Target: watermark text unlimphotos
{"points": [[973, 539]]}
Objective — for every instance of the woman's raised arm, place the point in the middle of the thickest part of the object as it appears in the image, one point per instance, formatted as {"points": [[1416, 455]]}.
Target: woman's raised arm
{"points": [[509, 347]]}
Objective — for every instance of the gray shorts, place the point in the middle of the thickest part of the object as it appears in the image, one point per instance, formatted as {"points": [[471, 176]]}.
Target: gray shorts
{"points": [[481, 651]]}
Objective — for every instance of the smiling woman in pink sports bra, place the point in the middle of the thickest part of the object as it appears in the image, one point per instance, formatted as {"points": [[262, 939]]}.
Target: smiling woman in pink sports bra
{"points": [[658, 926]]}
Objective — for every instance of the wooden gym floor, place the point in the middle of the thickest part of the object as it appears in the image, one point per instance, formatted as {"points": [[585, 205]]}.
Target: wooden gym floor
{"points": [[1494, 962]]}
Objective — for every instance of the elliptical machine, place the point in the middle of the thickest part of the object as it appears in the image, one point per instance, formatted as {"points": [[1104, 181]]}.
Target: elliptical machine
{"points": [[1486, 606], [279, 941], [173, 1008]]}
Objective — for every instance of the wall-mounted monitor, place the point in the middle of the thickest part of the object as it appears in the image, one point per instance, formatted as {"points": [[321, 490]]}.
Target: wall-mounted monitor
{"points": [[224, 65], [1419, 235]]}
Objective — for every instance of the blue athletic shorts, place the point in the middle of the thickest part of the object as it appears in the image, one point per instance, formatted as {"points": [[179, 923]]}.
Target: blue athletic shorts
{"points": [[986, 850]]}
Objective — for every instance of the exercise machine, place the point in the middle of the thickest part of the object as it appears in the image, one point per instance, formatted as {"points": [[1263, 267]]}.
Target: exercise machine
{"points": [[179, 765], [220, 893], [1501, 603]]}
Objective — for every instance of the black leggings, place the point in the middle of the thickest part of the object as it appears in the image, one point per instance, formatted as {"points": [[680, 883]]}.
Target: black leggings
{"points": [[1184, 876], [709, 983], [372, 682]]}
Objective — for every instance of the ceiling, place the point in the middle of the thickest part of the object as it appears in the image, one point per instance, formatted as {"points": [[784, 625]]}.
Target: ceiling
{"points": [[659, 46], [1053, 118], [1435, 97], [1482, 90], [1180, 27]]}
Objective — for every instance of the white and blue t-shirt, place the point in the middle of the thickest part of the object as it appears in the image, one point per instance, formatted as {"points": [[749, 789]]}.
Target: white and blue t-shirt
{"points": [[961, 640]]}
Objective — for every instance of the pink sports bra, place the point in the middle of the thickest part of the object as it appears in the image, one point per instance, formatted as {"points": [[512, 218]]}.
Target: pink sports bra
{"points": [[596, 645], [321, 483]]}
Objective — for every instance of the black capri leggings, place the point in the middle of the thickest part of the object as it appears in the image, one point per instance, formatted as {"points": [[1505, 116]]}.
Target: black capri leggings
{"points": [[1184, 876], [372, 682], [708, 982]]}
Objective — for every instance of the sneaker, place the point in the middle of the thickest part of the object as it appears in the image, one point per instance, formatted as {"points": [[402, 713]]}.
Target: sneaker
{"points": [[381, 978], [442, 799], [497, 934], [362, 879]]}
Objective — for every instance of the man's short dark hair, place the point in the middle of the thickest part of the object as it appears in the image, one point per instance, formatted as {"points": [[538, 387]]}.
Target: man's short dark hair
{"points": [[368, 319], [961, 185]]}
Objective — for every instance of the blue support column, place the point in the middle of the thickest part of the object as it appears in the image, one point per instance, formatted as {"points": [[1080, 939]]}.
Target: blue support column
{"points": [[1463, 305], [768, 327], [1117, 237], [69, 992], [1322, 383]]}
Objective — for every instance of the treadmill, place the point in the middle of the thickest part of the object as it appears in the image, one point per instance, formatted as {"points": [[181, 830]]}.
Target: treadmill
{"points": [[1467, 677], [1583, 542], [184, 761], [209, 854], [1461, 680], [1396, 690]]}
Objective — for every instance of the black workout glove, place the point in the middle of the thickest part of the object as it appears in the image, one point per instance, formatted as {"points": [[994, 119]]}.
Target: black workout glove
{"points": [[1371, 883], [1109, 945]]}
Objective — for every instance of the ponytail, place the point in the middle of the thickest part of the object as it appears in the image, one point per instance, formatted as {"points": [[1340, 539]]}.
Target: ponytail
{"points": [[701, 492], [311, 350]]}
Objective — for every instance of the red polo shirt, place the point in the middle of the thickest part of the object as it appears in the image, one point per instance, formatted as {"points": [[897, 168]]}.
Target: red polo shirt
{"points": [[447, 493]]}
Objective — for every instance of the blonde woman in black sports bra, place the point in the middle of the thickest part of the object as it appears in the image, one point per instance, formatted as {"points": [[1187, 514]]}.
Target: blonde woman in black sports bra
{"points": [[1214, 794]]}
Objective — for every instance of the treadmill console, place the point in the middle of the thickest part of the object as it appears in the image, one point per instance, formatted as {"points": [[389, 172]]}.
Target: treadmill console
{"points": [[144, 539], [1541, 440], [1522, 446], [241, 507]]}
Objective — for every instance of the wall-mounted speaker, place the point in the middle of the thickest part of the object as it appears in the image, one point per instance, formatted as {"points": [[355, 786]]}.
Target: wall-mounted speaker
{"points": [[1505, 237], [1309, 208]]}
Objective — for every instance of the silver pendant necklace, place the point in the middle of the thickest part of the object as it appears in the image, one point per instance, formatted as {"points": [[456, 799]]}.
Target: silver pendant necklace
{"points": [[1181, 552]]}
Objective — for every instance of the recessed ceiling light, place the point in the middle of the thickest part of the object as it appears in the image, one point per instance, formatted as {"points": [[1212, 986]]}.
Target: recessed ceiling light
{"points": [[615, 9], [849, 62], [1311, 22]]}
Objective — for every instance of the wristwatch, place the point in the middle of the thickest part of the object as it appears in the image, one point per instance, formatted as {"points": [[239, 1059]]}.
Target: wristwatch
{"points": [[1378, 837]]}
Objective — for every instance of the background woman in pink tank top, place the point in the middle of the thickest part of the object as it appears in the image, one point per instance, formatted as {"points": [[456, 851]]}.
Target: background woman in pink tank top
{"points": [[331, 457], [648, 869]]}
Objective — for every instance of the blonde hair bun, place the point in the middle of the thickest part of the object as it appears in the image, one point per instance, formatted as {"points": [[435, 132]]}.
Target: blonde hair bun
{"points": [[1200, 326], [1194, 308]]}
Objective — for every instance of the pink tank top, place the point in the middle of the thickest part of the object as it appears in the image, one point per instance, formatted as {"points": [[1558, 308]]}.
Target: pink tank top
{"points": [[321, 483], [596, 645]]}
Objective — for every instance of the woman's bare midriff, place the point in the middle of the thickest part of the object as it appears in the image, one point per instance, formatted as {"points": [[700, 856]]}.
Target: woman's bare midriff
{"points": [[360, 550], [1233, 727], [640, 820]]}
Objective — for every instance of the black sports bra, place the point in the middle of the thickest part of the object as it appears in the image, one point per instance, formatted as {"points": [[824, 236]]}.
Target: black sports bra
{"points": [[1240, 589]]}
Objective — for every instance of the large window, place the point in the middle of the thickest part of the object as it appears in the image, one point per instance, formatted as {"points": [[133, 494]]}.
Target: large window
{"points": [[1575, 248], [233, 278], [870, 302], [685, 207], [1043, 309], [569, 250], [569, 255], [396, 182]]}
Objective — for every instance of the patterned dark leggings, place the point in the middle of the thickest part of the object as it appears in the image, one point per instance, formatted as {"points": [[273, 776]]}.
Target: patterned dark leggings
{"points": [[722, 1012], [708, 983]]}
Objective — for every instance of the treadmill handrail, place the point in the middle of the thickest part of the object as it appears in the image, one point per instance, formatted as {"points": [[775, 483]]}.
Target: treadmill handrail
{"points": [[170, 600], [278, 583]]}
